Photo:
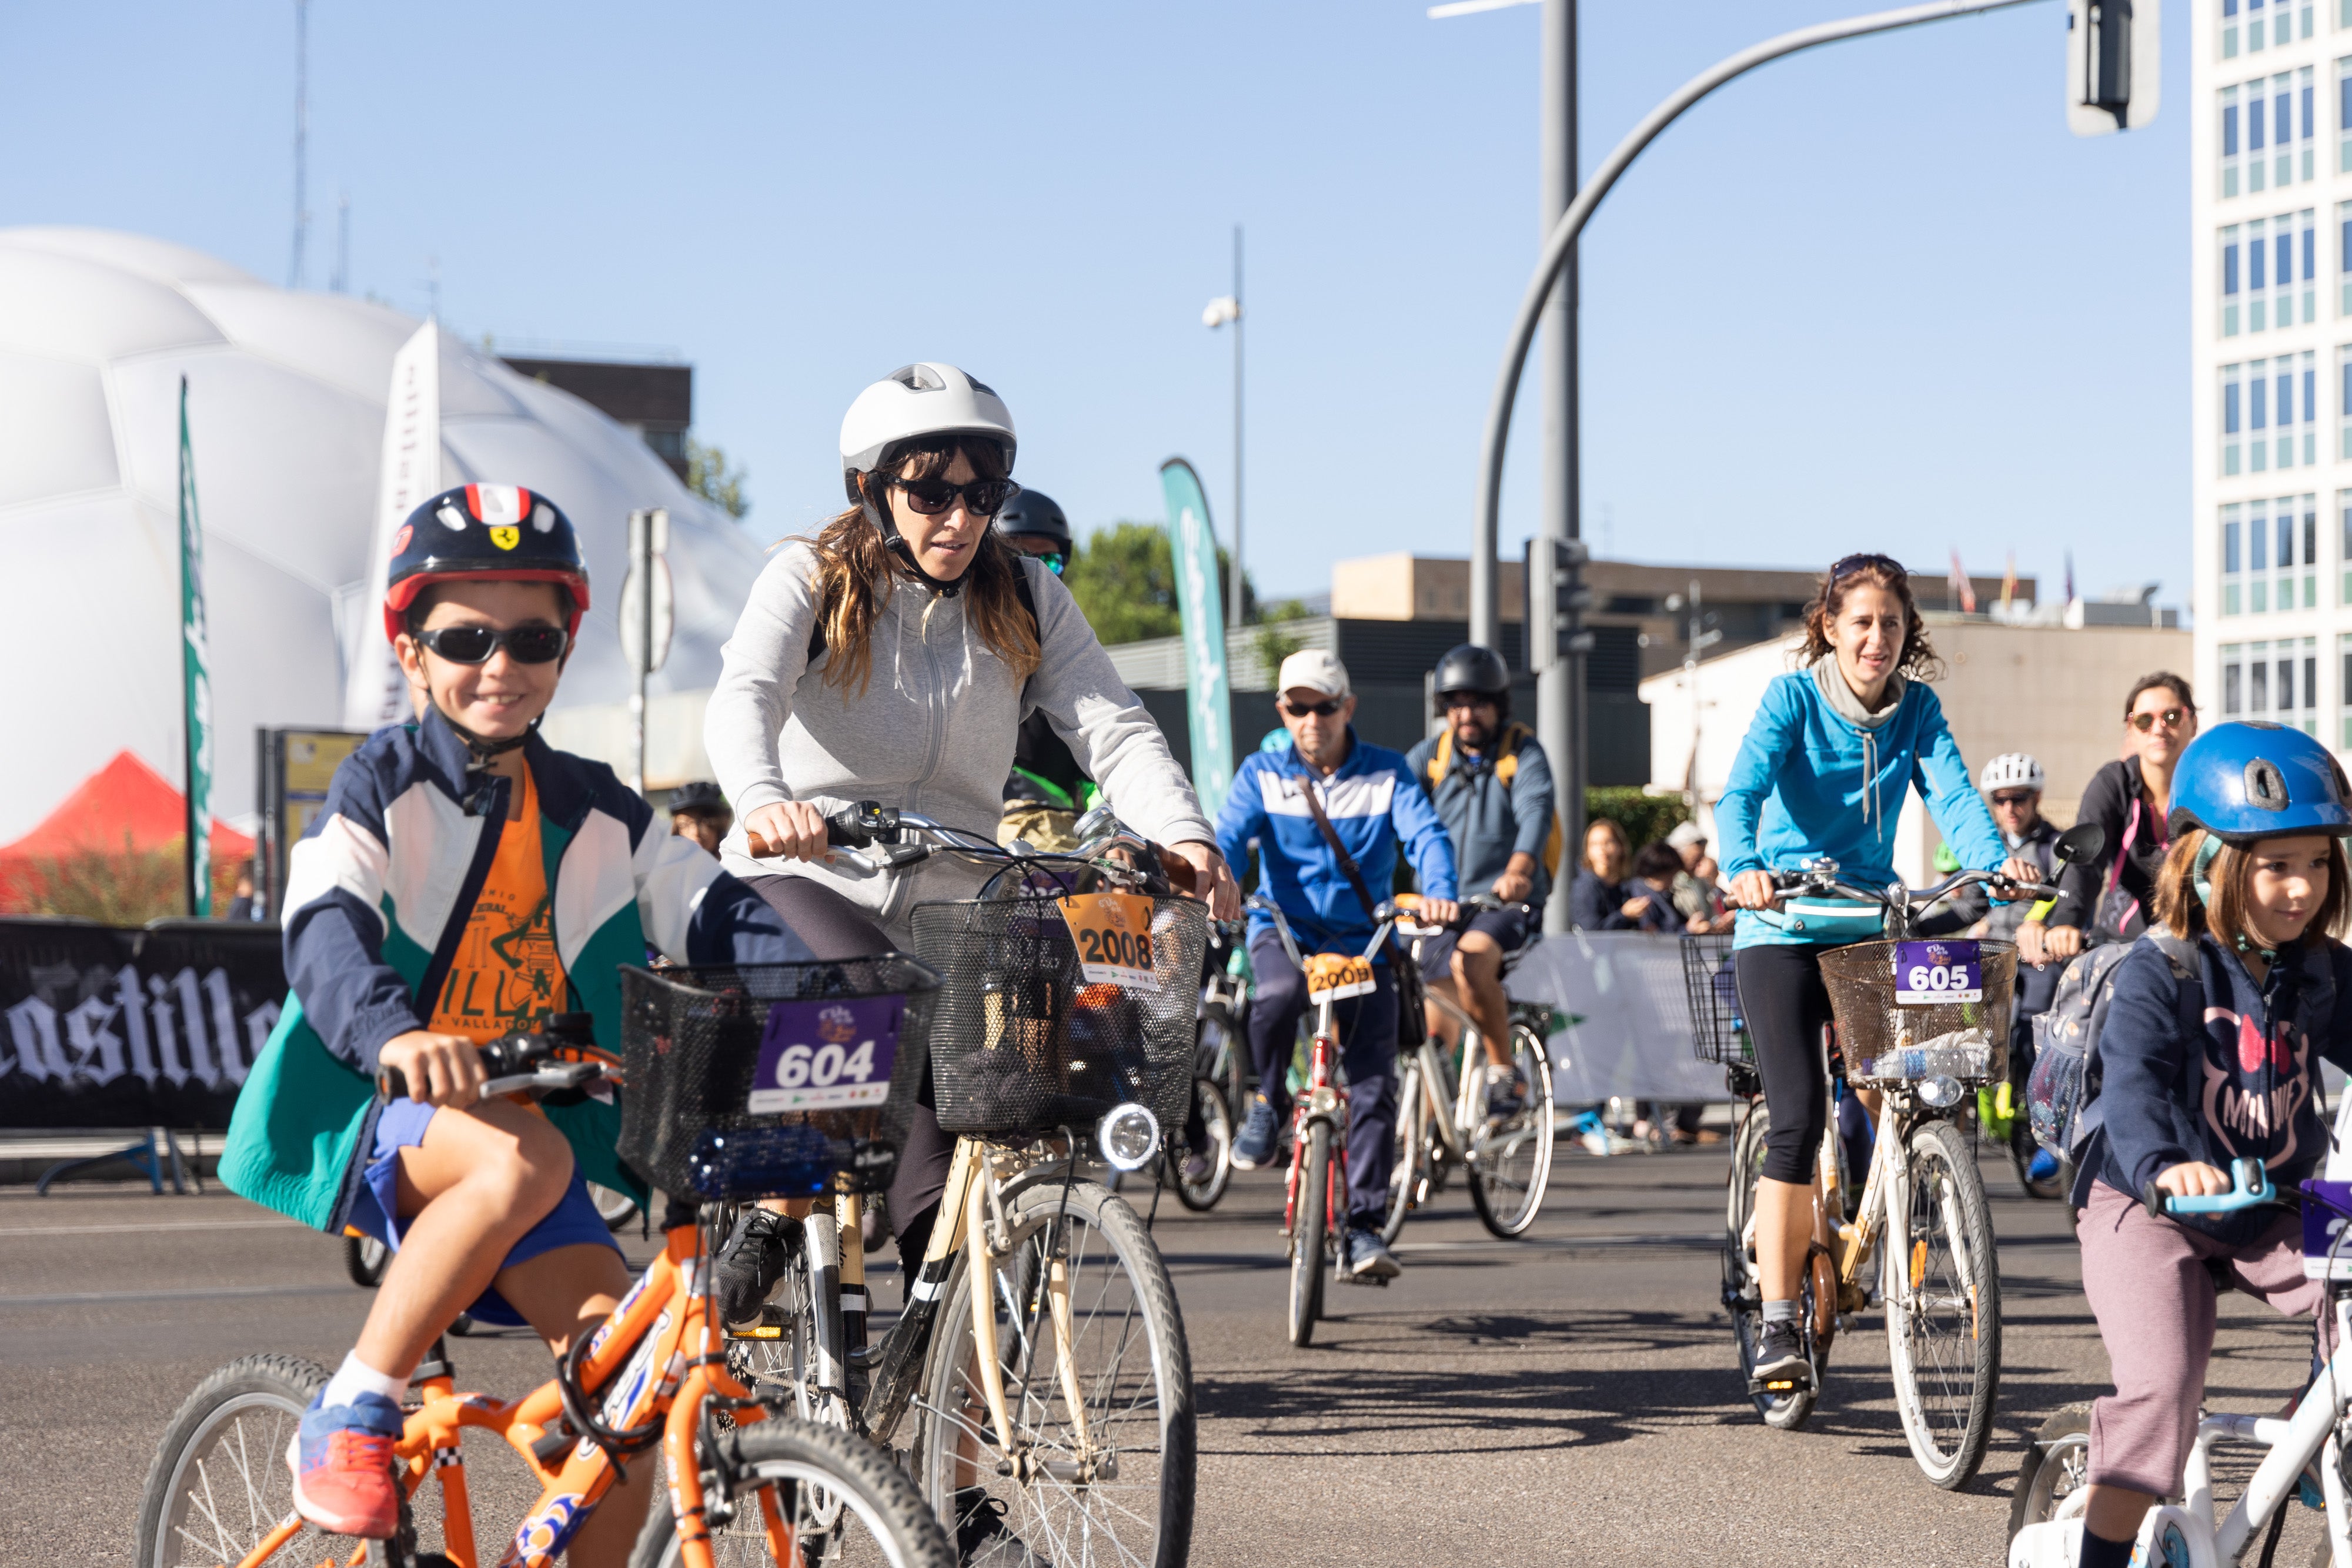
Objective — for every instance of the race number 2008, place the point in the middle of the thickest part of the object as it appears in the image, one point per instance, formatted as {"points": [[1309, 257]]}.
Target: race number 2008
{"points": [[1927, 973], [1113, 933]]}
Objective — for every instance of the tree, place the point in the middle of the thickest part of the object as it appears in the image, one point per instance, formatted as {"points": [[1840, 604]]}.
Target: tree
{"points": [[708, 476], [1124, 577]]}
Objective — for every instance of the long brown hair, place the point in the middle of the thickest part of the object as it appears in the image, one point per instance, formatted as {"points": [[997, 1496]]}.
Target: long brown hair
{"points": [[1918, 661], [855, 568], [2185, 914]]}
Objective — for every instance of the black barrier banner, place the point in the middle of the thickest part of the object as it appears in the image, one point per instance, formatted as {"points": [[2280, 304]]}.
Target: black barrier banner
{"points": [[101, 1027]]}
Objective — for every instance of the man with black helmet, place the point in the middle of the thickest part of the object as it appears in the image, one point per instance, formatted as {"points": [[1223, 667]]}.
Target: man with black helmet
{"points": [[1492, 788], [1047, 792], [698, 812]]}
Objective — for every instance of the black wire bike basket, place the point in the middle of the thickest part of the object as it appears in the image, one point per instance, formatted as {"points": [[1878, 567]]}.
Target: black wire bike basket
{"points": [[772, 1080], [1023, 1042], [1718, 1031]]}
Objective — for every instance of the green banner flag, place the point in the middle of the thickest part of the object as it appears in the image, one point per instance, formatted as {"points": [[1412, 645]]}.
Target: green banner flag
{"points": [[195, 670], [1198, 602]]}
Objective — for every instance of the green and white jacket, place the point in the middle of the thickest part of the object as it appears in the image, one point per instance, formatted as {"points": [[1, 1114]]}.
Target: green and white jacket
{"points": [[378, 894]]}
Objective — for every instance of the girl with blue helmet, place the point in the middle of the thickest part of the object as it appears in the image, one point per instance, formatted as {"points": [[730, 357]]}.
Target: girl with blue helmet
{"points": [[1833, 749], [2211, 1046]]}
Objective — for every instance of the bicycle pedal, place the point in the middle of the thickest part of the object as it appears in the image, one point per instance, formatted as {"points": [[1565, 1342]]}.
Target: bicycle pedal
{"points": [[1784, 1387]]}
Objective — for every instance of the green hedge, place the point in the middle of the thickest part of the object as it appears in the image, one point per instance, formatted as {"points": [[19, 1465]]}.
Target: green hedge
{"points": [[1644, 817]]}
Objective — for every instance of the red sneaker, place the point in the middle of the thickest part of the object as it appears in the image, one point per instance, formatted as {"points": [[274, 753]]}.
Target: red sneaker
{"points": [[342, 1460]]}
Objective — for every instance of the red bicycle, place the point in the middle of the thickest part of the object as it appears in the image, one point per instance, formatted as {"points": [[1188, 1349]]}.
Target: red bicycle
{"points": [[1317, 1232]]}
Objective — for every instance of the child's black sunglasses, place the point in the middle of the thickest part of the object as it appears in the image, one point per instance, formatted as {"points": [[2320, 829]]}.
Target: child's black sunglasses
{"points": [[475, 644]]}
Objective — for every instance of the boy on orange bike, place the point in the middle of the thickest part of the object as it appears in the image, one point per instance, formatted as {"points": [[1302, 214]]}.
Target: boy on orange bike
{"points": [[464, 880]]}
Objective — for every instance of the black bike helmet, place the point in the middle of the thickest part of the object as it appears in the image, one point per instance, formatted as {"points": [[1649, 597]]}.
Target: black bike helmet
{"points": [[483, 531], [699, 796], [1470, 668], [1034, 512]]}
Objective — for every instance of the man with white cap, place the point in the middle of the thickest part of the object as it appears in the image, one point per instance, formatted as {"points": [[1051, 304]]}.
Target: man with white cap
{"points": [[1330, 814]]}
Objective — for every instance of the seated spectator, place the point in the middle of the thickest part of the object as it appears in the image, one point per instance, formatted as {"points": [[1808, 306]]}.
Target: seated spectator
{"points": [[1695, 896], [698, 812], [1654, 871], [1601, 899]]}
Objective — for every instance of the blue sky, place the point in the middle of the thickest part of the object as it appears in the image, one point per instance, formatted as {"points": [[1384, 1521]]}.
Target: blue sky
{"points": [[1872, 297]]}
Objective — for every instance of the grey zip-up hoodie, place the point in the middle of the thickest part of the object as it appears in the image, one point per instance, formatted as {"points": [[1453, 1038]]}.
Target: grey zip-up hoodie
{"points": [[933, 731]]}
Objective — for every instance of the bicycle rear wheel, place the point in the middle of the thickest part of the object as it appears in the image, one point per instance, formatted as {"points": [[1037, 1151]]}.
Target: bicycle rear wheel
{"points": [[1411, 1180], [1942, 1296], [1510, 1162], [1743, 1297], [1217, 1119], [1309, 1240], [1125, 1494], [219, 1485], [849, 1506]]}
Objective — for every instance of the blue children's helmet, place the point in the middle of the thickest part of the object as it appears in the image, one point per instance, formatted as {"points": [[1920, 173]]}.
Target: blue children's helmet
{"points": [[2253, 779]]}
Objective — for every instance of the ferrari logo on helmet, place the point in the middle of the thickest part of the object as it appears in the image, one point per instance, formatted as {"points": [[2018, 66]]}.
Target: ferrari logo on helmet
{"points": [[506, 538]]}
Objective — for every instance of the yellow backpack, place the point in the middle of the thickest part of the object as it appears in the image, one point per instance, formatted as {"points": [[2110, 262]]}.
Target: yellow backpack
{"points": [[1507, 768]]}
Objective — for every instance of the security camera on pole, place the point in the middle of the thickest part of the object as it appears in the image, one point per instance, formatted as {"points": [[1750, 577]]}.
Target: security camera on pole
{"points": [[647, 617]]}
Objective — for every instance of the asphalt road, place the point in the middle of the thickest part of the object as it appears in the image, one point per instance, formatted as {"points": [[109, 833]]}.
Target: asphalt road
{"points": [[1574, 1391]]}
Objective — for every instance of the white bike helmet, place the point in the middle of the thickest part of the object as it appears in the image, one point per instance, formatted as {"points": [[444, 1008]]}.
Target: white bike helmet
{"points": [[913, 400], [2010, 770]]}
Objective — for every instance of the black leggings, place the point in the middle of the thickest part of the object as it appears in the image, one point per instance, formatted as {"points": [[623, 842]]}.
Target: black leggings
{"points": [[836, 929], [1786, 1005]]}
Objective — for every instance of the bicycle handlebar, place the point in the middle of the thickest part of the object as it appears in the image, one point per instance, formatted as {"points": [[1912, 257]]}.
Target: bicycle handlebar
{"points": [[513, 1062], [1822, 878], [2254, 1189]]}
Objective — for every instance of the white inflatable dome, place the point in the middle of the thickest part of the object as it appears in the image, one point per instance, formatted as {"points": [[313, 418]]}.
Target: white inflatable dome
{"points": [[286, 399]]}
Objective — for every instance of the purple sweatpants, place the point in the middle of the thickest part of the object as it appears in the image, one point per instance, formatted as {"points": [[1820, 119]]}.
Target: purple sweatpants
{"points": [[2148, 1288]]}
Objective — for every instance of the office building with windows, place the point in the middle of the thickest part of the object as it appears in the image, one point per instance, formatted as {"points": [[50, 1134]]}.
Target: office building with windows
{"points": [[2270, 211]]}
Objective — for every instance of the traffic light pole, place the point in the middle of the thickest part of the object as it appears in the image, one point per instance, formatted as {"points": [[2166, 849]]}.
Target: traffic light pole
{"points": [[1558, 655]]}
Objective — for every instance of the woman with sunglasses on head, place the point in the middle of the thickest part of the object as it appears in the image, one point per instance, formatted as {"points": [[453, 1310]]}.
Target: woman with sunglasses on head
{"points": [[2110, 899], [893, 658], [1834, 749]]}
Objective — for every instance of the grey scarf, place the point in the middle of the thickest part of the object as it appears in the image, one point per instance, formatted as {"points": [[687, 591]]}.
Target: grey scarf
{"points": [[1848, 707]]}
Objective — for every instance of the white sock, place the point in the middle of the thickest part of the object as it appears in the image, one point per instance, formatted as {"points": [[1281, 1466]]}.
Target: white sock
{"points": [[356, 1377]]}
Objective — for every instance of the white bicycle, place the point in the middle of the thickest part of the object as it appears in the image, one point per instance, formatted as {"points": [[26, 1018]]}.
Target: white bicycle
{"points": [[2305, 1447]]}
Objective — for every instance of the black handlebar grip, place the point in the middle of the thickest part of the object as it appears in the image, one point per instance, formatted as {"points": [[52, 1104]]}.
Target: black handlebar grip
{"points": [[2152, 1196], [848, 828], [392, 1083], [508, 1055]]}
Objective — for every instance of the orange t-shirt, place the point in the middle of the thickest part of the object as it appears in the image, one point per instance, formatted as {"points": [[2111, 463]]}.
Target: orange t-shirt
{"points": [[506, 972]]}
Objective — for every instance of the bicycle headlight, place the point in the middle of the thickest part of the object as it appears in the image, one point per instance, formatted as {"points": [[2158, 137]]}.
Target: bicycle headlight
{"points": [[1941, 1092], [1129, 1136]]}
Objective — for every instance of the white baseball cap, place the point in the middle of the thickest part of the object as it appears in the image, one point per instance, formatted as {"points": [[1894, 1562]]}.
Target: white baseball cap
{"points": [[1316, 670], [1686, 834]]}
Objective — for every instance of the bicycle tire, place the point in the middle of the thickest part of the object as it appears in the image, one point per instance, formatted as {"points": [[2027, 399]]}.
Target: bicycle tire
{"points": [[893, 1526], [239, 1419], [1216, 1114], [2053, 1468], [365, 1258], [613, 1206], [1308, 1237], [1942, 1299], [1741, 1296], [1139, 1405], [1510, 1166], [1410, 1182]]}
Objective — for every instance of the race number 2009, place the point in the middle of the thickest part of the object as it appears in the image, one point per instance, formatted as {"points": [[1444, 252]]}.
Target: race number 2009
{"points": [[1113, 934]]}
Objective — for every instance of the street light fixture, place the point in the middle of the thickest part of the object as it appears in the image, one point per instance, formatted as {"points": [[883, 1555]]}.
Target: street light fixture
{"points": [[1227, 309]]}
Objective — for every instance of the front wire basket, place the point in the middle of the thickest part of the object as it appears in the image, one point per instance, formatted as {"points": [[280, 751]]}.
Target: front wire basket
{"points": [[1718, 1031], [1022, 1044], [748, 1080], [1886, 1043]]}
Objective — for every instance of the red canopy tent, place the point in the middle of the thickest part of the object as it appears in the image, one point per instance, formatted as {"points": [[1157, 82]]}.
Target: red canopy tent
{"points": [[125, 805]]}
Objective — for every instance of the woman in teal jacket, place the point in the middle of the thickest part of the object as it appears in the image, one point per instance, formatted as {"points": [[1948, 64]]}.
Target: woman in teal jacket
{"points": [[1823, 772]]}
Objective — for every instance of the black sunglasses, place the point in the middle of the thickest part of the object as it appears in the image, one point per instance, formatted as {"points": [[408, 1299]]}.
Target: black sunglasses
{"points": [[1850, 564], [2012, 798], [982, 497], [1324, 709], [475, 644]]}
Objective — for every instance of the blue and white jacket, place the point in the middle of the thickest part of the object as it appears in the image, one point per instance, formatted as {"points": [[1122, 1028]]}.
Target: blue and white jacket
{"points": [[1374, 803], [378, 893]]}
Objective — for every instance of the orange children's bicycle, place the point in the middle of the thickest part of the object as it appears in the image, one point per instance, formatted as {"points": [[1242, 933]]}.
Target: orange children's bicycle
{"points": [[706, 1123]]}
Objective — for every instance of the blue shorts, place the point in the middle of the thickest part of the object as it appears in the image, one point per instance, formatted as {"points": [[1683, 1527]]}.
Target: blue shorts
{"points": [[573, 1221], [1510, 929]]}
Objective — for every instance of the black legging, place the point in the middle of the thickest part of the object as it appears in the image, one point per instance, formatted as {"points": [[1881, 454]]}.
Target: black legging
{"points": [[836, 929], [1786, 1005]]}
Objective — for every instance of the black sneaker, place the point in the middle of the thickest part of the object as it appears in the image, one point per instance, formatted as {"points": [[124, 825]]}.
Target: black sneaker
{"points": [[750, 1262], [1780, 1364], [982, 1539]]}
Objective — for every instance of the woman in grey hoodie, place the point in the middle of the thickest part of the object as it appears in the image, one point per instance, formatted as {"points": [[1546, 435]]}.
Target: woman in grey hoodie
{"points": [[893, 658]]}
